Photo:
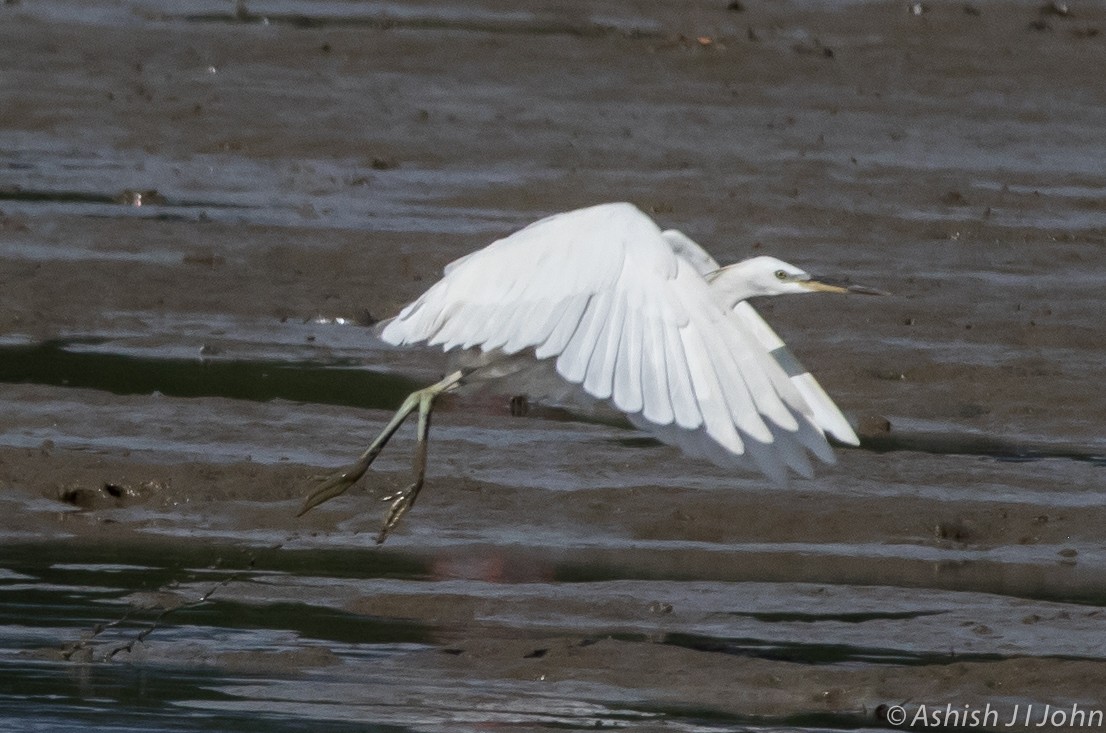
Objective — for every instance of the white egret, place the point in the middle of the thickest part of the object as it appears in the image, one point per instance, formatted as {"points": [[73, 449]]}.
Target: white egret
{"points": [[601, 303]]}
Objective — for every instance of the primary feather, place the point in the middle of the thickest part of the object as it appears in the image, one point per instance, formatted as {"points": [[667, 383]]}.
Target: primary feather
{"points": [[632, 315]]}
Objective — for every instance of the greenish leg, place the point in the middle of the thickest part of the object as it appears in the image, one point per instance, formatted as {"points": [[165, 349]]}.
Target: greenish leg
{"points": [[405, 499], [337, 483]]}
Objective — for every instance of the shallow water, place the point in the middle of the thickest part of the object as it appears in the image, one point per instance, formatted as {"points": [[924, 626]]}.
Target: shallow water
{"points": [[244, 660], [271, 647], [203, 206]]}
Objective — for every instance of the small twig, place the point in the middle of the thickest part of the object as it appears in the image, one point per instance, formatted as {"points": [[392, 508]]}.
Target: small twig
{"points": [[86, 642]]}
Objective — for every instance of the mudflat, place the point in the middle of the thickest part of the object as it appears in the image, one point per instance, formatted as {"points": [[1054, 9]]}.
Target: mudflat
{"points": [[204, 207]]}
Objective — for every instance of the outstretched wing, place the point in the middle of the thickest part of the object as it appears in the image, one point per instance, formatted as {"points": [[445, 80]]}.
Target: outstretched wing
{"points": [[822, 411], [814, 403], [687, 248], [602, 293]]}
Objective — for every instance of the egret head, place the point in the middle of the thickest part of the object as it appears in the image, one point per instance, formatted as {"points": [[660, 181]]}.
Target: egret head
{"points": [[762, 276]]}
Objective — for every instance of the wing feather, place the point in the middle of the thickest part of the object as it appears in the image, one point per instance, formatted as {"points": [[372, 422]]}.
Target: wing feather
{"points": [[465, 325], [573, 362], [537, 327], [708, 392], [732, 381], [759, 374], [476, 332], [825, 414], [655, 394], [516, 324], [689, 250], [599, 380], [792, 452], [621, 311], [627, 394], [681, 392], [567, 322]]}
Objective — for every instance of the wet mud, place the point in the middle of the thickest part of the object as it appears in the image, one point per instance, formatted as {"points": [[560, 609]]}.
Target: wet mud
{"points": [[205, 206]]}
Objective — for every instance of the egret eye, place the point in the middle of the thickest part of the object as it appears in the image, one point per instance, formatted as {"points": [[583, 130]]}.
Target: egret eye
{"points": [[782, 275]]}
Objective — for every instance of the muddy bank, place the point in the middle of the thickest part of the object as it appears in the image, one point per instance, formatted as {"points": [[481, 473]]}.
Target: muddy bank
{"points": [[203, 207]]}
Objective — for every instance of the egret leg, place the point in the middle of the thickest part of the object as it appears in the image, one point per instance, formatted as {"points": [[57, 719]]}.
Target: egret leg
{"points": [[405, 499], [337, 483]]}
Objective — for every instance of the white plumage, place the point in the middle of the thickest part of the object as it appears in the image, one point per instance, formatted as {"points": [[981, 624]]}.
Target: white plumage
{"points": [[643, 319]]}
